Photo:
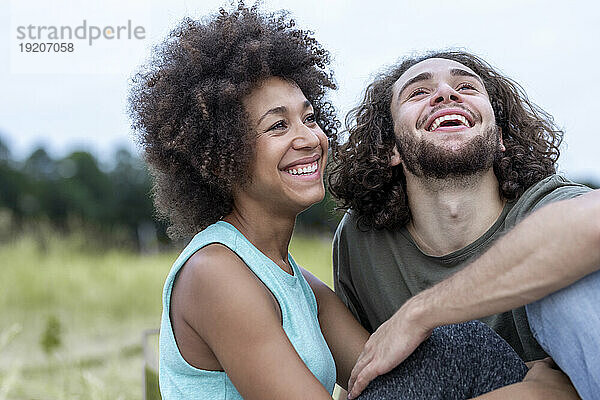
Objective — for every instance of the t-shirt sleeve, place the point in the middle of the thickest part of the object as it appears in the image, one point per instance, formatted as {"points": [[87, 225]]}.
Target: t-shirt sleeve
{"points": [[552, 189], [566, 192], [342, 276]]}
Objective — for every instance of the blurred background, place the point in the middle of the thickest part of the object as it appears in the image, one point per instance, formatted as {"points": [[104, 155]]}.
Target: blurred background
{"points": [[82, 256]]}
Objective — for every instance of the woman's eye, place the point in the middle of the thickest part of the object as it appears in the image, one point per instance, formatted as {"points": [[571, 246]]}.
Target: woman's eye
{"points": [[278, 125], [310, 119]]}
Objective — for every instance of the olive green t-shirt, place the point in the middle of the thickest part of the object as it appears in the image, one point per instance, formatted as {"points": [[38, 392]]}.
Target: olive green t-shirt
{"points": [[376, 271]]}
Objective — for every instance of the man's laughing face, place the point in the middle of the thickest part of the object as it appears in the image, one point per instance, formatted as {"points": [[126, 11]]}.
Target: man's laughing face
{"points": [[443, 120]]}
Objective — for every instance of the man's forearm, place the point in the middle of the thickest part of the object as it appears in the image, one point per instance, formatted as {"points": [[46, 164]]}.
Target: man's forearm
{"points": [[550, 249]]}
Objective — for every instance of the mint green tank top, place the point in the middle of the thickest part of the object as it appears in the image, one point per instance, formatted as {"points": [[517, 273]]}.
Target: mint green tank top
{"points": [[179, 380]]}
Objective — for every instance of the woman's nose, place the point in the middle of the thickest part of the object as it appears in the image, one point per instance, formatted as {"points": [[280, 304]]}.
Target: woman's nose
{"points": [[306, 138]]}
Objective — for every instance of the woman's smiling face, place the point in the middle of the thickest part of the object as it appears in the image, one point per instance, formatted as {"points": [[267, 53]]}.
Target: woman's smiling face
{"points": [[290, 150]]}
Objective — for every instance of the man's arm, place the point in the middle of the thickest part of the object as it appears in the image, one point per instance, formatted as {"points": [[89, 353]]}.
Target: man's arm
{"points": [[552, 248]]}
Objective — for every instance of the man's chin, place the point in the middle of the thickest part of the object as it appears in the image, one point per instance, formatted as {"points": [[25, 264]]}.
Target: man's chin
{"points": [[449, 160]]}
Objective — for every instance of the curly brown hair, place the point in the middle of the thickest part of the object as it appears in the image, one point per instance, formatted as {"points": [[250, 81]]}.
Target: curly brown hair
{"points": [[362, 180], [186, 106]]}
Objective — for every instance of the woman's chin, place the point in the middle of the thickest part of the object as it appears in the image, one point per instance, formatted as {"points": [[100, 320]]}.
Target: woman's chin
{"points": [[307, 201]]}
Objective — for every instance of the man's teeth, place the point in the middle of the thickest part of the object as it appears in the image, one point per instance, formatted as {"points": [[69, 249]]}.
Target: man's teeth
{"points": [[309, 169], [456, 117]]}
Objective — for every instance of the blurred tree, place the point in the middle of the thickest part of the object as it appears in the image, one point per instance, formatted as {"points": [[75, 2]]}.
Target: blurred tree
{"points": [[320, 217], [38, 171], [132, 202], [87, 192], [13, 184], [39, 165], [4, 151]]}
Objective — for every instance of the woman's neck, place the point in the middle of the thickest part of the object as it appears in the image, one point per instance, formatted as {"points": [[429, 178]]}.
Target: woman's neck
{"points": [[266, 230]]}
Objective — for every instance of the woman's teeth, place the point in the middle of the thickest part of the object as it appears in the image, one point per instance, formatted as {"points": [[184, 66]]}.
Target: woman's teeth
{"points": [[307, 170]]}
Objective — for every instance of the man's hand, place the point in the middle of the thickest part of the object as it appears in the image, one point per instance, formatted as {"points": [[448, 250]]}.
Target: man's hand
{"points": [[387, 347]]}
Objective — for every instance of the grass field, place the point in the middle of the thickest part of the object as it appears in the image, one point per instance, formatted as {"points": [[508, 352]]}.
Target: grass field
{"points": [[90, 309]]}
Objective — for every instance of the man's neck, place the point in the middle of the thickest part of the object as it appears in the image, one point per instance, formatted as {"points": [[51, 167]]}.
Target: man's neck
{"points": [[449, 214]]}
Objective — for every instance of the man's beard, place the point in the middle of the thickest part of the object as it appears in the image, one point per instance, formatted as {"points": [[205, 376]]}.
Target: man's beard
{"points": [[428, 160]]}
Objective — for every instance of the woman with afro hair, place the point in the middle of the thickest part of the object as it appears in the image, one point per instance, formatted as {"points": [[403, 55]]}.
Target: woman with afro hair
{"points": [[233, 121]]}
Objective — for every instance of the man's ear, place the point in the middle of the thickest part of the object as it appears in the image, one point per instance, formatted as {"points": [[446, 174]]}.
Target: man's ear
{"points": [[502, 148], [395, 160]]}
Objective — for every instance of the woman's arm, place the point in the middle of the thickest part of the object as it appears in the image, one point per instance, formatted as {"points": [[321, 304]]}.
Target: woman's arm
{"points": [[344, 335], [230, 309]]}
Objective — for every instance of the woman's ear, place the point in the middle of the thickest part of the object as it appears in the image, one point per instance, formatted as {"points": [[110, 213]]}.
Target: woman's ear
{"points": [[395, 160]]}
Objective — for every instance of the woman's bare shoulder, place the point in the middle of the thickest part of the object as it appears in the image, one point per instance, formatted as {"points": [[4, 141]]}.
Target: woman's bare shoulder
{"points": [[211, 273]]}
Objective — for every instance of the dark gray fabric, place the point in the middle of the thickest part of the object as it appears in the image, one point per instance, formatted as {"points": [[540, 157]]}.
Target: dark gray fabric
{"points": [[457, 362], [376, 271]]}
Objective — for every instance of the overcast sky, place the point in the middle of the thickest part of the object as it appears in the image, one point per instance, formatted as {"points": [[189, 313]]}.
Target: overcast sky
{"points": [[67, 101]]}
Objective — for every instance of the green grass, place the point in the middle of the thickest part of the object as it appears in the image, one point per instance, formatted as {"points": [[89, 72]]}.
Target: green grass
{"points": [[314, 255], [103, 301]]}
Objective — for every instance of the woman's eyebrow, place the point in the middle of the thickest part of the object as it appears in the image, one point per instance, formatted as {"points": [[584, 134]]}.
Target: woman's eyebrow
{"points": [[282, 110], [274, 110]]}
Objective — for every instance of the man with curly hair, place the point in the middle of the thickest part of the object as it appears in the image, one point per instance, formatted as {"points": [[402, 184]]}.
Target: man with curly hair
{"points": [[456, 213]]}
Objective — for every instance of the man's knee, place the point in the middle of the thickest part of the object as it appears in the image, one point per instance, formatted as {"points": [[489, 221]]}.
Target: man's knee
{"points": [[567, 326], [456, 362], [572, 311]]}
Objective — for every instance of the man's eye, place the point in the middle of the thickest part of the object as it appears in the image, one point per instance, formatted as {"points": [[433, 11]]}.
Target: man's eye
{"points": [[466, 86], [417, 92]]}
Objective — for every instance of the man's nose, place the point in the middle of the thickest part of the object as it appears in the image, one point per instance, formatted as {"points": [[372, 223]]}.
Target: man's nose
{"points": [[445, 94]]}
